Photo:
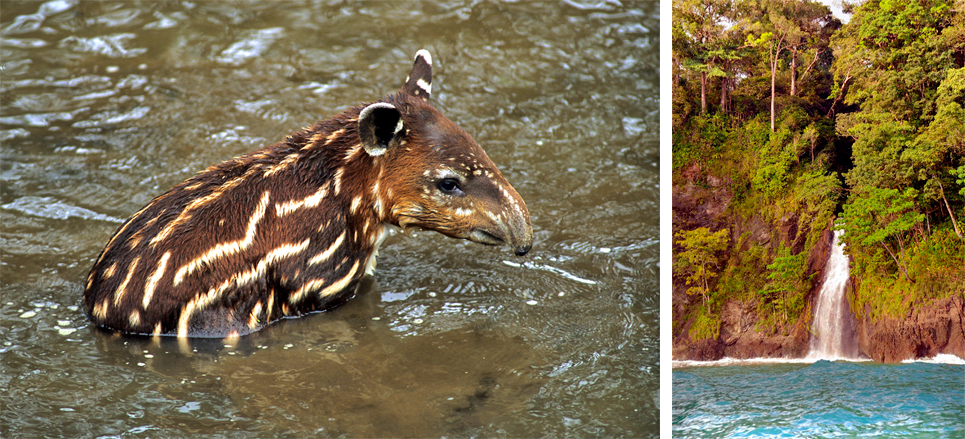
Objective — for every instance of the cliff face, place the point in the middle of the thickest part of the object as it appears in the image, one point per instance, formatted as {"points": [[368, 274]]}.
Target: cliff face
{"points": [[739, 338], [706, 205], [927, 330]]}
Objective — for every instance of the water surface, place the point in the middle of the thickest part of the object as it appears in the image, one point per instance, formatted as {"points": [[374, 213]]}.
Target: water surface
{"points": [[820, 399], [105, 105]]}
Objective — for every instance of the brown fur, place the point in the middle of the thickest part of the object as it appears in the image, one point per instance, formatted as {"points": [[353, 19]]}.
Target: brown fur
{"points": [[290, 229]]}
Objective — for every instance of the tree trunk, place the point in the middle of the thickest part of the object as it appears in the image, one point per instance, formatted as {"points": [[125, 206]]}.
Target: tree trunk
{"points": [[774, 60], [784, 300], [723, 95], [794, 73], [706, 288], [840, 94], [807, 69], [773, 78], [951, 213], [901, 266], [703, 92]]}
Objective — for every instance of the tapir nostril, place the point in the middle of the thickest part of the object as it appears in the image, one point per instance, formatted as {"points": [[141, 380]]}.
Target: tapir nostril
{"points": [[521, 251]]}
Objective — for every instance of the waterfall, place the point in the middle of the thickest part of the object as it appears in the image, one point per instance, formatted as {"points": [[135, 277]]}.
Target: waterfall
{"points": [[833, 324]]}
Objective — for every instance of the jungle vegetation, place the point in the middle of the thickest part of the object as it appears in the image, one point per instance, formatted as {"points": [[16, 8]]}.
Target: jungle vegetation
{"points": [[858, 124]]}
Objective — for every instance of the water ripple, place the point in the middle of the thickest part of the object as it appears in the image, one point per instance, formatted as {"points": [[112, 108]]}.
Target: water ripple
{"points": [[252, 46], [821, 399], [112, 45], [32, 22], [49, 207]]}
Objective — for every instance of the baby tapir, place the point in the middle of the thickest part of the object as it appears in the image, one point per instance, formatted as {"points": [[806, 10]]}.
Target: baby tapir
{"points": [[291, 228]]}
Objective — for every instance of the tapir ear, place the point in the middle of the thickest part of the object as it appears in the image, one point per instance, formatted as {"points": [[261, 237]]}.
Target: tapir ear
{"points": [[379, 125], [419, 81]]}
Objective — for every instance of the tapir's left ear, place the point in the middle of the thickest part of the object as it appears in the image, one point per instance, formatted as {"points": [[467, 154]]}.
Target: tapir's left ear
{"points": [[419, 81], [380, 126]]}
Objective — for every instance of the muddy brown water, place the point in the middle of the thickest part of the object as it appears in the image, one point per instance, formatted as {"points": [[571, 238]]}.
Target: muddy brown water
{"points": [[105, 105]]}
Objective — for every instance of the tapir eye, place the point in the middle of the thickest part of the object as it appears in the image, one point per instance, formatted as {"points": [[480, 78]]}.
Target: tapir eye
{"points": [[449, 185]]}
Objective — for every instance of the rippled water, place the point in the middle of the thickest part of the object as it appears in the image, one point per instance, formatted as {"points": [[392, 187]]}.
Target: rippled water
{"points": [[105, 105], [821, 399]]}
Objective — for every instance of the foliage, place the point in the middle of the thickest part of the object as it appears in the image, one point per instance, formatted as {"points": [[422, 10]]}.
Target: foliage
{"points": [[937, 264], [743, 277], [814, 119], [787, 280], [702, 139], [881, 217], [706, 324], [699, 257]]}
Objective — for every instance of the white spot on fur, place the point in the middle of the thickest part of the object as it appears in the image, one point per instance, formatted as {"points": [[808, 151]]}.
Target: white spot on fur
{"points": [[376, 243], [291, 158], [425, 55], [337, 180], [122, 289], [186, 313], [100, 310], [378, 206], [109, 271], [253, 318], [424, 85], [350, 153]]}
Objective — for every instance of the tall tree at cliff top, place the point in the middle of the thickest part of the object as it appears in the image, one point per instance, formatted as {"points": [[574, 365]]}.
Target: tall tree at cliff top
{"points": [[789, 28], [700, 39], [902, 63]]}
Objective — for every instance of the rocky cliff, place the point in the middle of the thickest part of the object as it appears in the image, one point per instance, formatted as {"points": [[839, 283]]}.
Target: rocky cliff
{"points": [[934, 328], [702, 200]]}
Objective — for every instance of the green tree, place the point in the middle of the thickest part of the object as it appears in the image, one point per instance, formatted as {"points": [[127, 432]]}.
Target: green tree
{"points": [[940, 146], [881, 217], [892, 56], [786, 276], [700, 39], [699, 258], [792, 26]]}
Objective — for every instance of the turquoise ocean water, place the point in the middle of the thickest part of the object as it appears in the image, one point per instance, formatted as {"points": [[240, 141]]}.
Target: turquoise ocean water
{"points": [[820, 399]]}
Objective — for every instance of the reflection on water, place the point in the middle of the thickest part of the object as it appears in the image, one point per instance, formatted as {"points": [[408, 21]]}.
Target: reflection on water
{"points": [[104, 105], [351, 371]]}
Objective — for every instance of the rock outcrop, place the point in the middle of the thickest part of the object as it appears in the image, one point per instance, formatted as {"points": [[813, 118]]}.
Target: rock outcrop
{"points": [[927, 330]]}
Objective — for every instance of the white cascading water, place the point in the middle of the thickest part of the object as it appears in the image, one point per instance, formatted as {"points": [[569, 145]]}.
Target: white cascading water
{"points": [[832, 332]]}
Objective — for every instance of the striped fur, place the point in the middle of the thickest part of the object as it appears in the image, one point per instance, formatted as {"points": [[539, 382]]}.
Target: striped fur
{"points": [[291, 228]]}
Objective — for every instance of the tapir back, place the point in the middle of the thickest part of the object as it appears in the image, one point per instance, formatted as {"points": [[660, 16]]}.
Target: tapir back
{"points": [[233, 248]]}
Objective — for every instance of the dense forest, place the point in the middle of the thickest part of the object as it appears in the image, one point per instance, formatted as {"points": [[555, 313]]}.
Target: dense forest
{"points": [[788, 124]]}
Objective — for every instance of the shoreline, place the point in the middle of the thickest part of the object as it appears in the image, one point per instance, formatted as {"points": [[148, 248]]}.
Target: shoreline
{"points": [[727, 361]]}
